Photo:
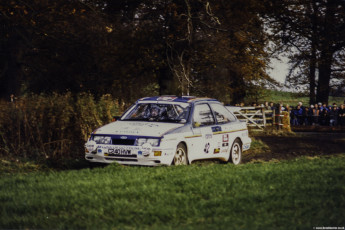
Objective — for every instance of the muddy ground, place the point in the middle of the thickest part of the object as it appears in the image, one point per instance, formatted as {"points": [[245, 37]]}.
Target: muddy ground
{"points": [[268, 148]]}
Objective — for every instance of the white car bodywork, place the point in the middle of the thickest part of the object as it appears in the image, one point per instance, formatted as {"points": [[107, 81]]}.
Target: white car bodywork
{"points": [[136, 142]]}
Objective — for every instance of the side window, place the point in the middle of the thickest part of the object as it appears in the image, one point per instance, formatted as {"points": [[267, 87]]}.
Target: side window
{"points": [[222, 114], [202, 116]]}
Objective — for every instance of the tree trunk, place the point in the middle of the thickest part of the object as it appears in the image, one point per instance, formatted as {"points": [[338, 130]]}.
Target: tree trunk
{"points": [[313, 58], [326, 58], [324, 77], [312, 71]]}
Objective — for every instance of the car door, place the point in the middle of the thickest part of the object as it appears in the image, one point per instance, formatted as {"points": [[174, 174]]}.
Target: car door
{"points": [[203, 121], [224, 132]]}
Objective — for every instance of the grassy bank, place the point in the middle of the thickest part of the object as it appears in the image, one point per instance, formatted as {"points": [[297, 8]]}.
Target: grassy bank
{"points": [[298, 194]]}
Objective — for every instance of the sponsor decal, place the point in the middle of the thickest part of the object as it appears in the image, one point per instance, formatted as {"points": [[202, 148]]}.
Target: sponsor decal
{"points": [[207, 147], [217, 150], [216, 129], [226, 137], [117, 147], [224, 150], [127, 132], [91, 146], [146, 148], [225, 144], [137, 124], [208, 136], [246, 147], [140, 153], [99, 150], [166, 98]]}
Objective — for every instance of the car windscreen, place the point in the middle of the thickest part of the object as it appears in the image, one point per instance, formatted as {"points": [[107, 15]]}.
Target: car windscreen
{"points": [[177, 113]]}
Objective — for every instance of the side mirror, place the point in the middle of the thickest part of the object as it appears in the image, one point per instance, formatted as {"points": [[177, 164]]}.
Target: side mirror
{"points": [[196, 124], [115, 118]]}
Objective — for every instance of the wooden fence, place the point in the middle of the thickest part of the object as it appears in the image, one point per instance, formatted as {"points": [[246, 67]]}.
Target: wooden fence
{"points": [[259, 117]]}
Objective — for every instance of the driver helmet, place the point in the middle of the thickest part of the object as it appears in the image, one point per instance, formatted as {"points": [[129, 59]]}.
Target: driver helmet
{"points": [[155, 111]]}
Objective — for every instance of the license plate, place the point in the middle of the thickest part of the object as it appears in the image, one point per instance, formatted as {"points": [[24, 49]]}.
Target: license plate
{"points": [[119, 152]]}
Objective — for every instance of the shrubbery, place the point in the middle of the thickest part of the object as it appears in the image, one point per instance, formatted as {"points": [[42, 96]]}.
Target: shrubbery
{"points": [[54, 127]]}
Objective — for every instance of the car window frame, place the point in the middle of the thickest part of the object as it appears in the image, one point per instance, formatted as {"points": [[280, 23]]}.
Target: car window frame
{"points": [[149, 103], [215, 117], [192, 115]]}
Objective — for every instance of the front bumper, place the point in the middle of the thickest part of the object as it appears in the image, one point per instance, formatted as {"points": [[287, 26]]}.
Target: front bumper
{"points": [[131, 155]]}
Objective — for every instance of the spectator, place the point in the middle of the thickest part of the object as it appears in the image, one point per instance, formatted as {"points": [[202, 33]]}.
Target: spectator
{"points": [[341, 113], [301, 104], [316, 113], [267, 106], [333, 116], [324, 107], [310, 115], [305, 116], [298, 116], [272, 106], [281, 106], [293, 117], [324, 115]]}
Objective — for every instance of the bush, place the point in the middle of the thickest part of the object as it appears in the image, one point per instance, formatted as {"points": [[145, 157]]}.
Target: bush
{"points": [[53, 127]]}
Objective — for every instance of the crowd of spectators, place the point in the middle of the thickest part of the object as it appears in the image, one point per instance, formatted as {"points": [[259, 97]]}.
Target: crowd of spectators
{"points": [[318, 114]]}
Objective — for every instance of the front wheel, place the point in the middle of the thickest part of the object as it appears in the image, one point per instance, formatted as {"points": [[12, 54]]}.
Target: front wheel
{"points": [[180, 157], [236, 153]]}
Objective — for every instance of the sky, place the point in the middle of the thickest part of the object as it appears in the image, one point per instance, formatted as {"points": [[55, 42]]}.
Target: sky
{"points": [[279, 69]]}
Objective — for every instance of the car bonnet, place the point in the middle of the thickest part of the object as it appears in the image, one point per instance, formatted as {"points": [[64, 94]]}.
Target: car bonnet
{"points": [[137, 128]]}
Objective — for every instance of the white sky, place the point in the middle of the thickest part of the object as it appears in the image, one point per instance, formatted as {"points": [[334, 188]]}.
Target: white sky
{"points": [[279, 69]]}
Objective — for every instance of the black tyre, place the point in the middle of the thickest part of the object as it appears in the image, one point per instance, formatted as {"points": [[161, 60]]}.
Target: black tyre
{"points": [[236, 153], [181, 156]]}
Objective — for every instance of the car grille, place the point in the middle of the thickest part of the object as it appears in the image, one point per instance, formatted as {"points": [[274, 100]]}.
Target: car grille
{"points": [[116, 141]]}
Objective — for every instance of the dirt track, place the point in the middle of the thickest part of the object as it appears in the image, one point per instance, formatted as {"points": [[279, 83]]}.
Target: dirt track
{"points": [[302, 144]]}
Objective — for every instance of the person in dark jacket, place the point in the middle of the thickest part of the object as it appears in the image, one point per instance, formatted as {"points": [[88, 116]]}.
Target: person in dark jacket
{"points": [[341, 114], [333, 116], [315, 114], [324, 115], [296, 116]]}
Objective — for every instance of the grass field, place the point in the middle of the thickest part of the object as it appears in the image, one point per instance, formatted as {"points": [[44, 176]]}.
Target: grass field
{"points": [[297, 194], [293, 98]]}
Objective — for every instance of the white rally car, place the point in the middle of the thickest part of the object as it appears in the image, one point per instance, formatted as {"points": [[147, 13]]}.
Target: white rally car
{"points": [[170, 130]]}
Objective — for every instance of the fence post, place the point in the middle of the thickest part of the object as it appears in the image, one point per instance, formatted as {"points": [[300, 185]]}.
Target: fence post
{"points": [[277, 117], [263, 116]]}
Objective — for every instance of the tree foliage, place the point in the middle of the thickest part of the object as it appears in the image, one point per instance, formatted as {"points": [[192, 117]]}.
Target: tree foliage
{"points": [[131, 49], [314, 33]]}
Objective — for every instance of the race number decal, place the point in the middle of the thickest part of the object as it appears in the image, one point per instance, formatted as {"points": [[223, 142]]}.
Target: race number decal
{"points": [[225, 137], [207, 147]]}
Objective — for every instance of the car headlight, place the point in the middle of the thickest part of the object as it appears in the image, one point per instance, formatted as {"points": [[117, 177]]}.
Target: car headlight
{"points": [[151, 141], [102, 139]]}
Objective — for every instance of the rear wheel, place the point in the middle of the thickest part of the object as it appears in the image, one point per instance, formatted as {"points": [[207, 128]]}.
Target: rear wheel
{"points": [[180, 157], [236, 153]]}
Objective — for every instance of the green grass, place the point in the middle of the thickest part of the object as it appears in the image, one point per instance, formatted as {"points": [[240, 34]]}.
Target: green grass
{"points": [[293, 98], [298, 194]]}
